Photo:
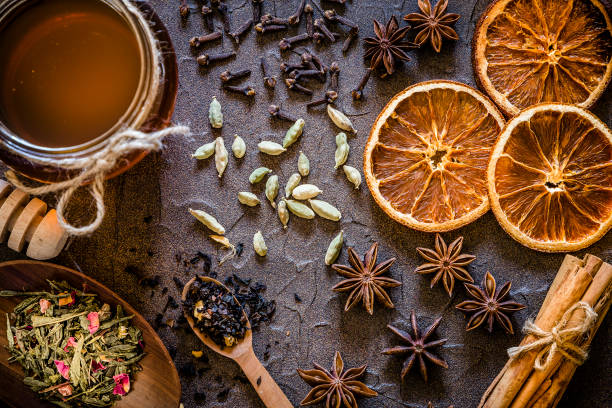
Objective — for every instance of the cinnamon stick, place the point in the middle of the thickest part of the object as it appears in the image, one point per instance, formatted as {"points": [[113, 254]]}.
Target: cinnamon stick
{"points": [[601, 281], [558, 383], [568, 287]]}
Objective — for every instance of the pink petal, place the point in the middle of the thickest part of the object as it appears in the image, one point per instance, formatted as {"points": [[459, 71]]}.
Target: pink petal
{"points": [[44, 305], [65, 390], [122, 382], [70, 343], [63, 369], [94, 322], [95, 366]]}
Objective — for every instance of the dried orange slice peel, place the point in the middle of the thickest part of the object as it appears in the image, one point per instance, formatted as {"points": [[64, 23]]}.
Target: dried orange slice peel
{"points": [[532, 51], [550, 178], [426, 158]]}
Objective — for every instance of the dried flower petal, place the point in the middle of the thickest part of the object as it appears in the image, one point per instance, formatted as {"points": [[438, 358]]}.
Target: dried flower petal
{"points": [[122, 384], [62, 368], [95, 366], [70, 343], [44, 305], [94, 322]]}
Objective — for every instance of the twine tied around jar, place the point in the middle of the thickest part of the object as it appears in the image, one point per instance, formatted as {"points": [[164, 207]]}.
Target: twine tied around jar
{"points": [[94, 169], [559, 339]]}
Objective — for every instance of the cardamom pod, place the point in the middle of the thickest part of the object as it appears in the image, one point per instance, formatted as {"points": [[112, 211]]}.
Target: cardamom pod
{"points": [[221, 156], [306, 191], [340, 119], [220, 239], [271, 148], [208, 220], [272, 189], [303, 164], [283, 214], [299, 209], [258, 174], [342, 149], [204, 151], [215, 116], [293, 182], [238, 147], [259, 244], [294, 132], [353, 175], [248, 198], [325, 210], [334, 248]]}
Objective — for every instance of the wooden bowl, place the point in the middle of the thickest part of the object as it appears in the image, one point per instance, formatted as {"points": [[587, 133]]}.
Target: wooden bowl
{"points": [[157, 385]]}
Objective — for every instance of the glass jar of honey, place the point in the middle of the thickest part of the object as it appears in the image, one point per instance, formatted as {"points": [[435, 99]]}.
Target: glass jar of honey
{"points": [[75, 72]]}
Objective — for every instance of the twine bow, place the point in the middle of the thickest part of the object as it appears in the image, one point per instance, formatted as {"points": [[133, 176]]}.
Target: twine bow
{"points": [[94, 168], [559, 340]]}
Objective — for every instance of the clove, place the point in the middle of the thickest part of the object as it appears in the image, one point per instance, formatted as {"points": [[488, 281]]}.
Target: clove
{"points": [[207, 59], [331, 15], [293, 85], [241, 30], [349, 39], [278, 113], [299, 74], [322, 27], [334, 70], [287, 43], [222, 9], [207, 12], [294, 19], [329, 97], [269, 81], [257, 6], [228, 76], [262, 29], [268, 19], [244, 90], [308, 57], [308, 10], [198, 41], [318, 37], [184, 9], [288, 68], [358, 92]]}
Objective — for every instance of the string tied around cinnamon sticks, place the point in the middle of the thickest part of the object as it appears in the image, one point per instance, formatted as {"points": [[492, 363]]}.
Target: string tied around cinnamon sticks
{"points": [[559, 339], [94, 169]]}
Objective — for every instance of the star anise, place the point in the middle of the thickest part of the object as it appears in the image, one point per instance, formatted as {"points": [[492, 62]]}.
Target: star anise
{"points": [[364, 280], [417, 347], [387, 45], [489, 305], [434, 24], [446, 262], [335, 387], [386, 48]]}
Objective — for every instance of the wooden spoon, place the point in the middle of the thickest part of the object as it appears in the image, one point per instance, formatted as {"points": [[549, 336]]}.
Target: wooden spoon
{"points": [[243, 354], [157, 385]]}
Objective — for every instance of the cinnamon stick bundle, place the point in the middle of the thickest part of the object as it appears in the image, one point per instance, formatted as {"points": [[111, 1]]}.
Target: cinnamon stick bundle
{"points": [[545, 360]]}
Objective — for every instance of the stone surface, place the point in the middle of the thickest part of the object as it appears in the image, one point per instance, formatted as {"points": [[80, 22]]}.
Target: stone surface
{"points": [[147, 225]]}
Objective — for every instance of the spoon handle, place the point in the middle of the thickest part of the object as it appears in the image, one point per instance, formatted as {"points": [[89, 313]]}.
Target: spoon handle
{"points": [[267, 389]]}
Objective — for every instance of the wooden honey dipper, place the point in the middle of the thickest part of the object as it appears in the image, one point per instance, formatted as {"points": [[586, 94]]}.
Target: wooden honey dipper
{"points": [[29, 222]]}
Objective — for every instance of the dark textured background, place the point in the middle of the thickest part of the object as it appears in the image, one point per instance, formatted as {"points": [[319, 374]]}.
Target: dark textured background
{"points": [[147, 224]]}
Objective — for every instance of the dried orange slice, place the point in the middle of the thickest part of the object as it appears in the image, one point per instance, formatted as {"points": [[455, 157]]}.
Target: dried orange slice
{"points": [[426, 158], [550, 178], [531, 51]]}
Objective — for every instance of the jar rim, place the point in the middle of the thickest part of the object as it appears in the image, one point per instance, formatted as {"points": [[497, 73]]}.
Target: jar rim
{"points": [[140, 106]]}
